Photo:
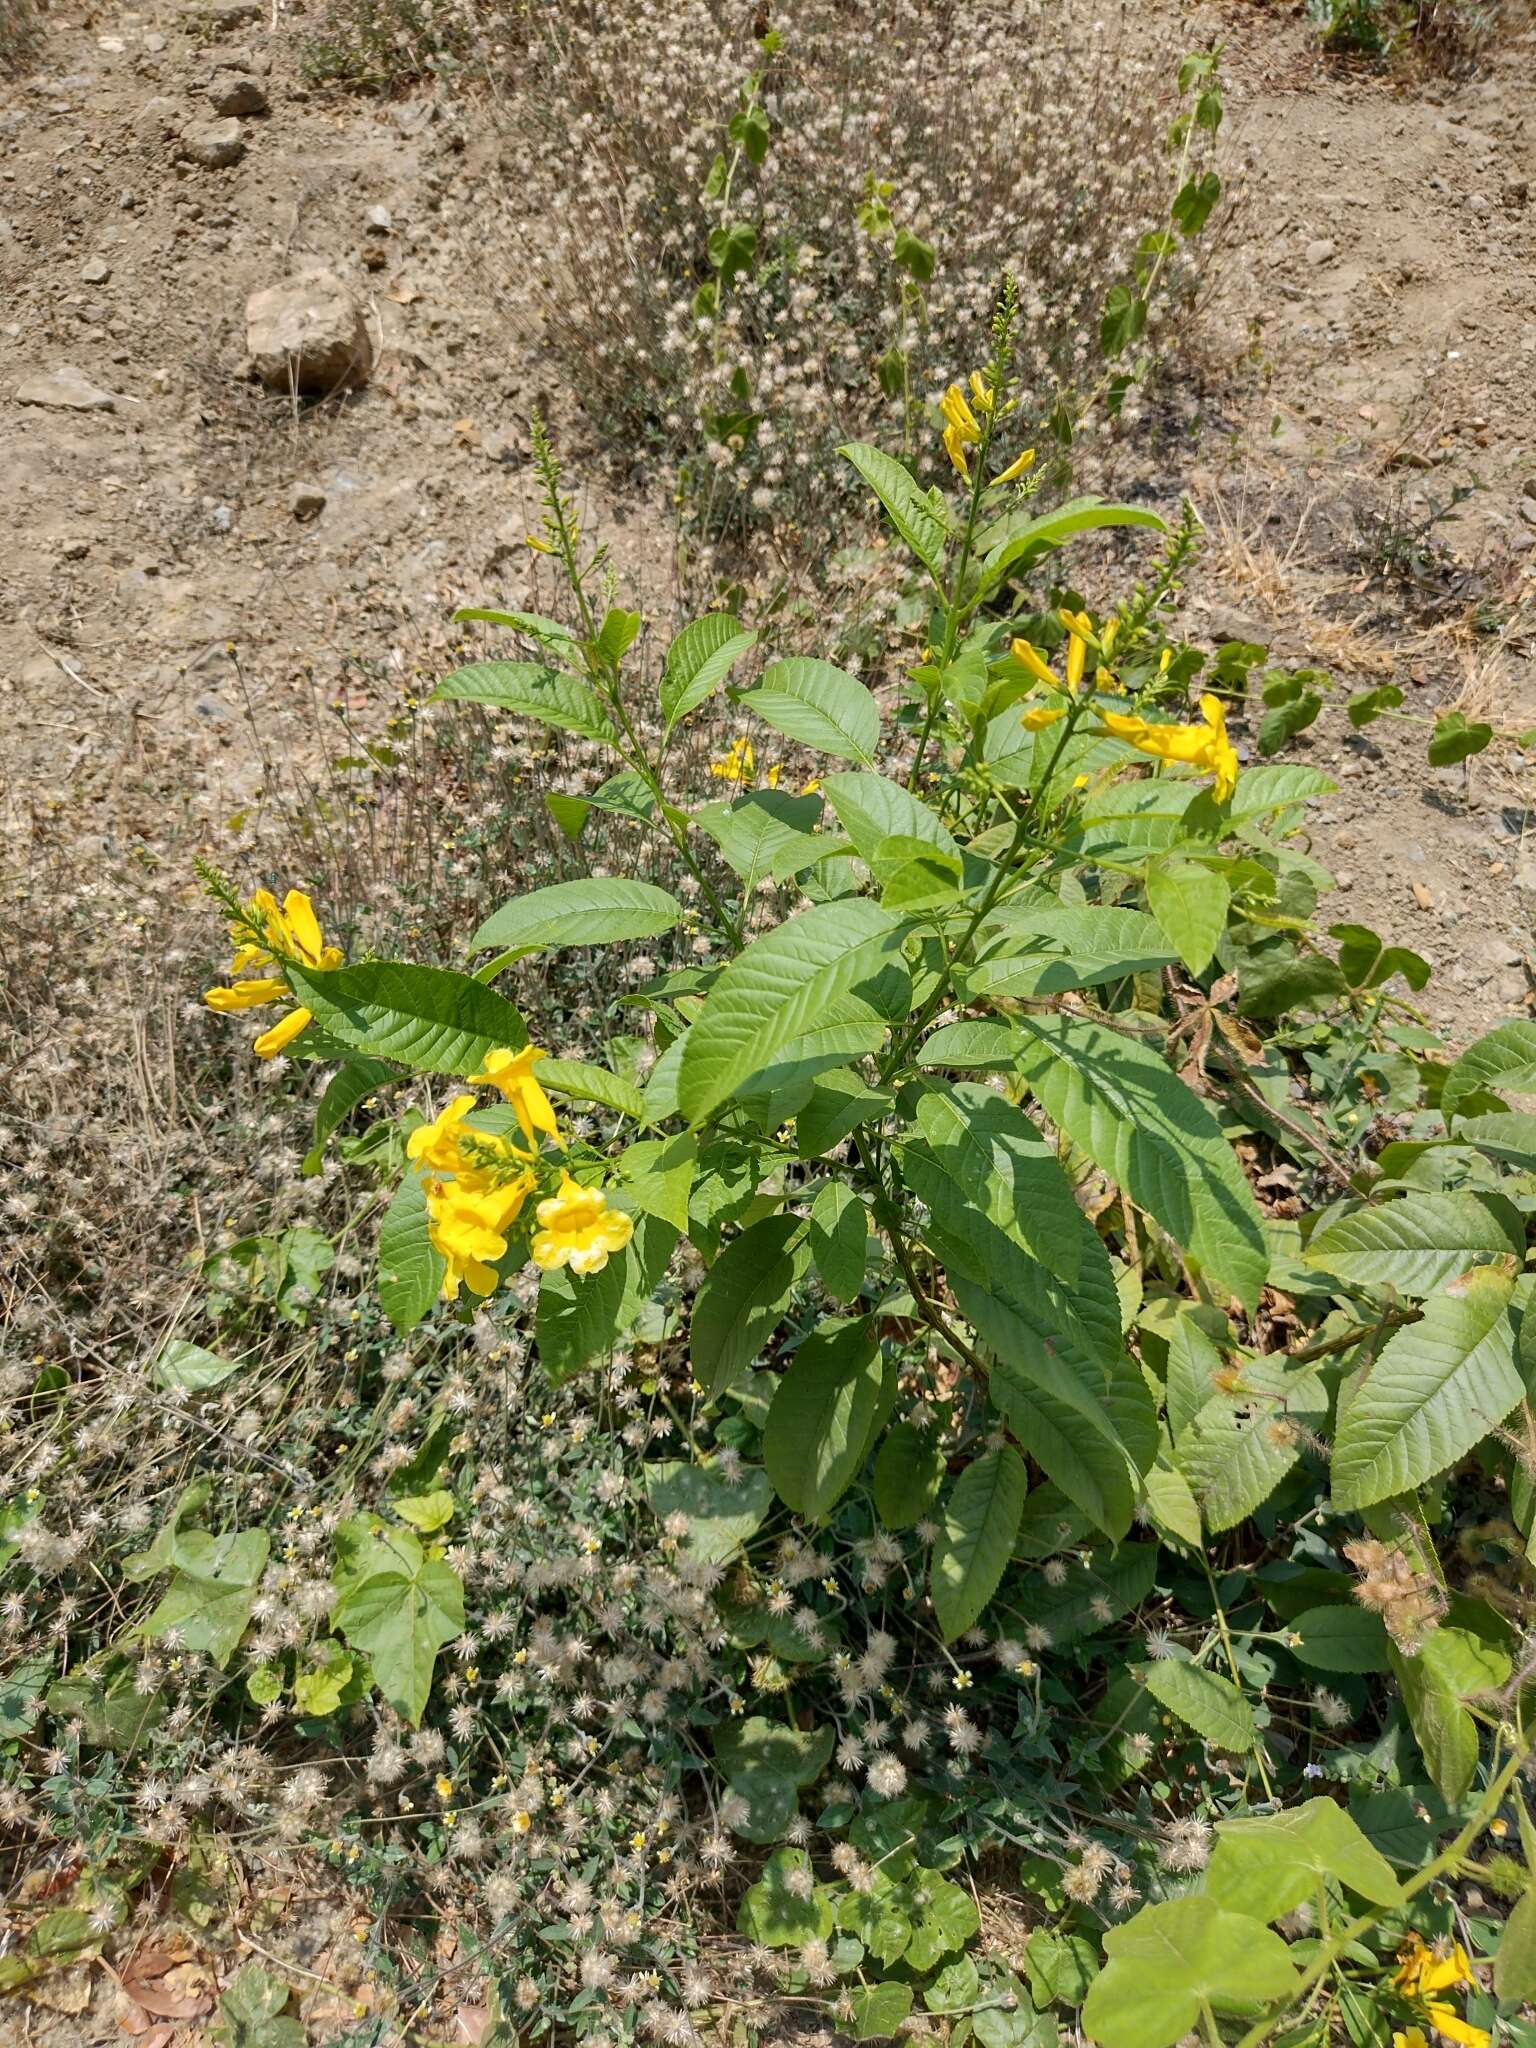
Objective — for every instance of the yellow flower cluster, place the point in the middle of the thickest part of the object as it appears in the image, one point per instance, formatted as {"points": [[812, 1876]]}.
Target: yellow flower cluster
{"points": [[1204, 746], [739, 764], [289, 932], [1420, 1975], [962, 429], [479, 1183]]}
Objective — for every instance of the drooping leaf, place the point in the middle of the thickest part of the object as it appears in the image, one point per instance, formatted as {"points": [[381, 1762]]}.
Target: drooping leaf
{"points": [[980, 1523], [765, 832], [839, 1240], [1122, 1104], [981, 1154], [743, 1297], [411, 1268], [599, 910], [582, 1317], [1266, 1866], [822, 1413], [348, 1086], [909, 1471], [1449, 1667], [581, 1081], [1437, 1388], [550, 695], [920, 522]]}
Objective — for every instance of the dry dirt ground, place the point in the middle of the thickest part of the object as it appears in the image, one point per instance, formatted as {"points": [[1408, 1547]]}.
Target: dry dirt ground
{"points": [[167, 619], [170, 628]]}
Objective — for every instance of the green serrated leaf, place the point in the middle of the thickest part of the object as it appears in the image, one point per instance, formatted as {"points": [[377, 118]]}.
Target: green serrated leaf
{"points": [[814, 991], [552, 696], [1211, 1704], [915, 516], [818, 706], [1120, 1102], [429, 1018], [1437, 1388]]}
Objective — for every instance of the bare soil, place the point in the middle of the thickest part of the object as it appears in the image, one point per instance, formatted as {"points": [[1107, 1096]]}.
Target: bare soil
{"points": [[170, 627]]}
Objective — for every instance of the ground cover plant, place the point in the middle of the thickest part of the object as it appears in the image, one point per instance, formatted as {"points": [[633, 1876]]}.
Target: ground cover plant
{"points": [[965, 1416], [763, 235]]}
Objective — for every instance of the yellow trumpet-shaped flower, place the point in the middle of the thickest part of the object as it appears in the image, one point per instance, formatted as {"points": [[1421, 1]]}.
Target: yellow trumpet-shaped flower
{"points": [[468, 1226], [1202, 746], [1080, 637], [961, 429], [1039, 716], [291, 932], [1028, 657], [1419, 1975], [737, 764], [981, 390], [438, 1144], [282, 1034], [1016, 468], [578, 1229], [512, 1074], [245, 995]]}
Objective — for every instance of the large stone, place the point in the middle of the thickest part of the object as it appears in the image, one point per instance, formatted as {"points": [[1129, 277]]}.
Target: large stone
{"points": [[213, 144], [237, 92], [66, 389], [308, 334]]}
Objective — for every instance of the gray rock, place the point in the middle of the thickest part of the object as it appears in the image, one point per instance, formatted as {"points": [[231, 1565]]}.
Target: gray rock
{"points": [[216, 145], [306, 501], [1320, 252], [97, 271], [378, 220], [236, 92], [308, 334], [65, 389], [1226, 623], [157, 119]]}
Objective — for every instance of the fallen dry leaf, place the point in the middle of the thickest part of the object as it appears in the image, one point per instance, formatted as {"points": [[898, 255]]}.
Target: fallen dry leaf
{"points": [[470, 2022], [1422, 897], [170, 1986]]}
